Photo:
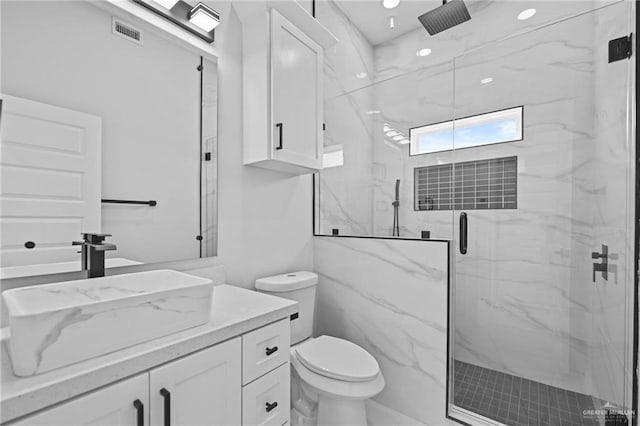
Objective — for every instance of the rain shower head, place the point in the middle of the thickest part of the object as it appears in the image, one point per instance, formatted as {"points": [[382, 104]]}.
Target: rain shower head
{"points": [[443, 17]]}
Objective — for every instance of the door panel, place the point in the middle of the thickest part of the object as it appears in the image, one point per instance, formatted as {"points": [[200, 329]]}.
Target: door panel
{"points": [[526, 304], [204, 388], [297, 95], [51, 181]]}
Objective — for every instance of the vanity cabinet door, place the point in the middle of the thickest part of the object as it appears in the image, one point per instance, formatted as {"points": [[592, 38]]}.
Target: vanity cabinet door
{"points": [[122, 404], [199, 389], [296, 66]]}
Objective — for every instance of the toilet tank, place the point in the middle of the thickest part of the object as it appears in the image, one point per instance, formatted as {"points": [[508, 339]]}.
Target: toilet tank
{"points": [[301, 287]]}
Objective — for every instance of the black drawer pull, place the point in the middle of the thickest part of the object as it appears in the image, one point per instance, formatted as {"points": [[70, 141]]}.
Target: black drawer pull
{"points": [[139, 412], [270, 407], [167, 406], [270, 351]]}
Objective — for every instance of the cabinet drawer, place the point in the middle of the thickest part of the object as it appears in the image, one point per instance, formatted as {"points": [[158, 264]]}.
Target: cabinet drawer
{"points": [[265, 402], [264, 349]]}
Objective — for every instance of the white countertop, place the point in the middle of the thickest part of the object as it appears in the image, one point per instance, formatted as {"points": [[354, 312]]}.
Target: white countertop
{"points": [[235, 311]]}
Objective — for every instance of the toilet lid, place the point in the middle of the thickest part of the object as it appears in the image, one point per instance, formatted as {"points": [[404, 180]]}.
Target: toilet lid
{"points": [[338, 359]]}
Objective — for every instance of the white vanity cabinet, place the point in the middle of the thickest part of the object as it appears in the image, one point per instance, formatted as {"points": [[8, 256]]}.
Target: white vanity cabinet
{"points": [[282, 89], [242, 381], [112, 405]]}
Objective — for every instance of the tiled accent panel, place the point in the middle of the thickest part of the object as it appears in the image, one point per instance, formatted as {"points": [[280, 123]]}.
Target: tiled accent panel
{"points": [[390, 297], [470, 185], [513, 400]]}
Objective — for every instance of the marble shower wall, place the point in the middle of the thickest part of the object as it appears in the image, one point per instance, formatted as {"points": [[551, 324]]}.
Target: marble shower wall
{"points": [[348, 66], [390, 297]]}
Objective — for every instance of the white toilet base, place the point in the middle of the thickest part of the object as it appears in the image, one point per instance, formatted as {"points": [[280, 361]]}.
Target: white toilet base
{"points": [[341, 412]]}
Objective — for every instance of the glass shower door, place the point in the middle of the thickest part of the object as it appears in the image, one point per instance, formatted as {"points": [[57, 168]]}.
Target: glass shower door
{"points": [[543, 223]]}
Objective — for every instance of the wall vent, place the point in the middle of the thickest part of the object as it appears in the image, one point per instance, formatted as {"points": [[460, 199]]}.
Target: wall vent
{"points": [[126, 31]]}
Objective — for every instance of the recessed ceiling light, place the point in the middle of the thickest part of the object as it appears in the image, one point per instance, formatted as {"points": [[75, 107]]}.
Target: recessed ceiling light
{"points": [[373, 111], [390, 4], [361, 74], [392, 133], [526, 14], [404, 141], [204, 17], [423, 52], [486, 80], [398, 138], [167, 4], [392, 22]]}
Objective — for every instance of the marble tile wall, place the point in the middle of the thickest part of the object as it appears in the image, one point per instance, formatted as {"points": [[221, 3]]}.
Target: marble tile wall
{"points": [[390, 297], [345, 192]]}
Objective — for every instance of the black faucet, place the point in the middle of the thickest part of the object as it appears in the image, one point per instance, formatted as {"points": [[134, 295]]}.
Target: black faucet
{"points": [[93, 248]]}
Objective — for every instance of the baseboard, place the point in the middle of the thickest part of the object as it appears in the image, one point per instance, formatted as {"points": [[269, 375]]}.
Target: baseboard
{"points": [[380, 415]]}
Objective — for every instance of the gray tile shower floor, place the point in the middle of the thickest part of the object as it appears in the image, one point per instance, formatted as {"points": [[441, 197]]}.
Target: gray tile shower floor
{"points": [[516, 401]]}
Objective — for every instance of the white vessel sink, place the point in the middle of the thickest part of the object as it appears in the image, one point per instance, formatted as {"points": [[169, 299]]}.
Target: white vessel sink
{"points": [[53, 325]]}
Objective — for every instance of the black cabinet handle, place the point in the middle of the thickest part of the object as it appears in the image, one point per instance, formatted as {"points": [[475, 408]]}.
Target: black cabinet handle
{"points": [[270, 351], [167, 406], [139, 412], [271, 406], [279, 126], [463, 233]]}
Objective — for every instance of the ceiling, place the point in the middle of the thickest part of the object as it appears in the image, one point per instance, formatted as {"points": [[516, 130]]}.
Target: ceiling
{"points": [[372, 19]]}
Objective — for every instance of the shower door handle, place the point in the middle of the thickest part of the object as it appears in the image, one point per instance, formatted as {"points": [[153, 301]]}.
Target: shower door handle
{"points": [[279, 126], [463, 233]]}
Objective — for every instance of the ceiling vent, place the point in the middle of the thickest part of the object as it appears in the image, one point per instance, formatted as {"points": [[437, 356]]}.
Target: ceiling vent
{"points": [[126, 31]]}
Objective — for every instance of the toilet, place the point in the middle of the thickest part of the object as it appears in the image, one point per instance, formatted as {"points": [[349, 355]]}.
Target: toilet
{"points": [[331, 378]]}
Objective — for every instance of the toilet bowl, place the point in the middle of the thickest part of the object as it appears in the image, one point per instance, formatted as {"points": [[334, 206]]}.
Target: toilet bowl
{"points": [[331, 378]]}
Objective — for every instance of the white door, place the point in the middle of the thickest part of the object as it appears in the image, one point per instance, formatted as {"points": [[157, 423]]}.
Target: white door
{"points": [[200, 389], [110, 406], [296, 72], [50, 168]]}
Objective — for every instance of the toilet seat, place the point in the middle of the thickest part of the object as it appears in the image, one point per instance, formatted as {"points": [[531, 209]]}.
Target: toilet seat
{"points": [[338, 359], [333, 387]]}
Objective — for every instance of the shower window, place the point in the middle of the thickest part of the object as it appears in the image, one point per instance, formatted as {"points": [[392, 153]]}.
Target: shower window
{"points": [[471, 185], [468, 132]]}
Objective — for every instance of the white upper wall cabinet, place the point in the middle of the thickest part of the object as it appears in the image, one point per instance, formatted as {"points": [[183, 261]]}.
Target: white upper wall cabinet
{"points": [[282, 87]]}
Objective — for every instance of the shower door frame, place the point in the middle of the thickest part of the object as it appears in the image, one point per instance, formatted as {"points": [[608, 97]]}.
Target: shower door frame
{"points": [[470, 418]]}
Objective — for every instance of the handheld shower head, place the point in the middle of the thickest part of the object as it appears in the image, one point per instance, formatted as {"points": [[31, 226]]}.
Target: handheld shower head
{"points": [[397, 190], [443, 17]]}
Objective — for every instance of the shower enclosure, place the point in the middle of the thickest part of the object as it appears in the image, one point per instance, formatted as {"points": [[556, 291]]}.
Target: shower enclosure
{"points": [[521, 152], [543, 295]]}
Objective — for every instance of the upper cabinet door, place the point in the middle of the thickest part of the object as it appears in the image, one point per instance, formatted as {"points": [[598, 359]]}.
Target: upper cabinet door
{"points": [[122, 404], [297, 103], [199, 389]]}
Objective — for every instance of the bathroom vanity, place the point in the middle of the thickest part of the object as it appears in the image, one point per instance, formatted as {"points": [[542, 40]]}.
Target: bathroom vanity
{"points": [[233, 370]]}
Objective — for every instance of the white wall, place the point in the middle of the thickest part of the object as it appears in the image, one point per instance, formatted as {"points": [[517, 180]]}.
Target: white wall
{"points": [[265, 217]]}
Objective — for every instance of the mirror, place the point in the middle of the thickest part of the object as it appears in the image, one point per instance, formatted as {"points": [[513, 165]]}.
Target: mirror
{"points": [[108, 126]]}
